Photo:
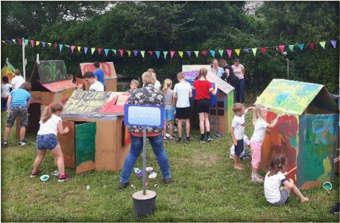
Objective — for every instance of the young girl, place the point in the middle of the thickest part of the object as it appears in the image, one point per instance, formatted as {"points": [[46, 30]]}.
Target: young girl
{"points": [[256, 141], [50, 125], [237, 132], [169, 108], [133, 85], [274, 193]]}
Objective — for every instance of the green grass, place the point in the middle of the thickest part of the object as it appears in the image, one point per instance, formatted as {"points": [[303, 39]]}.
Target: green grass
{"points": [[205, 188]]}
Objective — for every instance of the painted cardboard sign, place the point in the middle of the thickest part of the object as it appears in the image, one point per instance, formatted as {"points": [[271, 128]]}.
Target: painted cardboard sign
{"points": [[144, 115], [51, 70], [288, 96], [59, 85], [107, 67]]}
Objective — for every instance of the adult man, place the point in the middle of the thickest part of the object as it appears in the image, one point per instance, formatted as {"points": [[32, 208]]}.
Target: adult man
{"points": [[239, 72], [94, 84], [99, 73], [147, 95], [17, 80]]}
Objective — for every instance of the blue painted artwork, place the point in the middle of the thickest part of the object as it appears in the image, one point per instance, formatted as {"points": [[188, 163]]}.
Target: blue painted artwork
{"points": [[144, 115]]}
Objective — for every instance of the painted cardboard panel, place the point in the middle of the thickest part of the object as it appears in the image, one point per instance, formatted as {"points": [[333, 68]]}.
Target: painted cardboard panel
{"points": [[85, 142], [59, 85], [229, 109], [288, 96], [318, 135], [51, 70], [107, 67], [282, 139], [67, 144]]}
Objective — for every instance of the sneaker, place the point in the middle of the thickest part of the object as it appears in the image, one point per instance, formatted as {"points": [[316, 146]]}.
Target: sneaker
{"points": [[4, 144], [63, 178], [231, 157], [209, 139], [22, 143], [256, 179], [36, 174], [55, 173], [167, 181], [179, 139], [187, 139], [123, 185]]}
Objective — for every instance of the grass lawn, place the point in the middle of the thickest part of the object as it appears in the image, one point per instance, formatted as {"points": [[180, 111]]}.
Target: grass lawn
{"points": [[205, 188]]}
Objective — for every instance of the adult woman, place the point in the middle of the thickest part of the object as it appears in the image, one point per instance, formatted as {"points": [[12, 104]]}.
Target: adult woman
{"points": [[202, 97], [239, 72]]}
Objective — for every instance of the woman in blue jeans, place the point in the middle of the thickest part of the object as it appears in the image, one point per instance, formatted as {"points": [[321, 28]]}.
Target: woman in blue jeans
{"points": [[147, 95], [239, 72]]}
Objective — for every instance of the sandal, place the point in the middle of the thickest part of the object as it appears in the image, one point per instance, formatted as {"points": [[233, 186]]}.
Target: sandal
{"points": [[35, 174]]}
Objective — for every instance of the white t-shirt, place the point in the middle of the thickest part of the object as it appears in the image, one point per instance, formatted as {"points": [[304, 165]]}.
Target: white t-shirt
{"points": [[5, 90], [182, 91], [50, 126], [17, 81], [272, 187], [97, 86], [238, 125], [157, 85], [259, 130], [238, 71]]}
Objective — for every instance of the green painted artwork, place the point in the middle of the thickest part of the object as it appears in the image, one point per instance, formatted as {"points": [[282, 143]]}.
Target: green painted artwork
{"points": [[51, 70], [85, 142], [288, 96], [230, 102]]}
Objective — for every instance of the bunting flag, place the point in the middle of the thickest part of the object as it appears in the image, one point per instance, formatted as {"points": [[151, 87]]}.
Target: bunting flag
{"points": [[26, 42], [114, 51], [238, 51], [85, 50], [135, 53], [106, 52], [204, 52], [121, 52], [72, 48], [172, 54], [254, 51], [301, 46], [291, 47], [142, 52], [49, 44], [128, 53], [55, 45], [229, 52], [180, 53], [196, 53], [93, 50], [323, 44], [99, 50], [42, 43], [158, 53], [60, 47], [333, 43], [150, 52], [263, 50], [37, 43], [165, 53], [281, 48], [311, 45], [221, 52], [79, 48], [246, 50], [32, 43], [188, 52], [212, 53]]}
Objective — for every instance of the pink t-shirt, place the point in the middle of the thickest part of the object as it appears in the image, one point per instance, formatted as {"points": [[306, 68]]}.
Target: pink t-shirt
{"points": [[238, 71]]}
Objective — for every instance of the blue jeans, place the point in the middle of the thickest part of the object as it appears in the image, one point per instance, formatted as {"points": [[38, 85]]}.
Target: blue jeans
{"points": [[136, 149], [240, 90]]}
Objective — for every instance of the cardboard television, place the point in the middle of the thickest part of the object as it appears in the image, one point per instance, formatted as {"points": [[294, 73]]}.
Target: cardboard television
{"points": [[109, 72], [50, 83], [307, 133], [221, 113], [98, 139]]}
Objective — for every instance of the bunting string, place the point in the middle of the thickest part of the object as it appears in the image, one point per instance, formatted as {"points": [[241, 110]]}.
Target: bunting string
{"points": [[281, 48]]}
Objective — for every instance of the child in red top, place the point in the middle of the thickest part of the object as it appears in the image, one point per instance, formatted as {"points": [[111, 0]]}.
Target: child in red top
{"points": [[203, 88]]}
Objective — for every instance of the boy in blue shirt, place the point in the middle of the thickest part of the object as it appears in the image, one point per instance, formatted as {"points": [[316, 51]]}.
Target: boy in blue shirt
{"points": [[17, 104], [99, 73]]}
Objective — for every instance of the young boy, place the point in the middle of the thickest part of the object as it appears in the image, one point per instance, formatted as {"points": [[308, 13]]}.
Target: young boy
{"points": [[17, 104], [182, 94], [99, 73], [94, 84], [17, 80], [133, 85], [237, 132]]}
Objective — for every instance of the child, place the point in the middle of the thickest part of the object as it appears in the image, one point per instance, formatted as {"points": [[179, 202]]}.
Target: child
{"points": [[95, 85], [275, 179], [182, 94], [169, 108], [5, 90], [50, 125], [237, 132], [17, 105], [256, 141], [133, 85]]}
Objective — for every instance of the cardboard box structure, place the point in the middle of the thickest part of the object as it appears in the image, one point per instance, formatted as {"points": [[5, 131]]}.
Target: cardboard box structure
{"points": [[98, 139], [220, 114], [307, 133], [50, 83], [109, 71]]}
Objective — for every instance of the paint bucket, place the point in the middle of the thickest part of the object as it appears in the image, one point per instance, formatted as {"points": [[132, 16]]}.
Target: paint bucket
{"points": [[144, 205], [327, 186], [44, 178]]}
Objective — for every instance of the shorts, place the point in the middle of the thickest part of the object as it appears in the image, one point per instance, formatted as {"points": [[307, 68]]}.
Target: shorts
{"points": [[255, 154], [239, 147], [169, 114], [4, 104], [284, 194], [183, 113], [202, 105], [18, 112], [48, 141]]}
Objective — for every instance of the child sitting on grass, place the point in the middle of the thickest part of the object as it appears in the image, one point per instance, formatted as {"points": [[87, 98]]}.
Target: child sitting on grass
{"points": [[50, 125], [237, 132], [274, 193], [169, 108], [256, 141]]}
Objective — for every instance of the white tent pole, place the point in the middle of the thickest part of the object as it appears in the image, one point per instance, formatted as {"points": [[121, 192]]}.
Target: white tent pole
{"points": [[23, 58]]}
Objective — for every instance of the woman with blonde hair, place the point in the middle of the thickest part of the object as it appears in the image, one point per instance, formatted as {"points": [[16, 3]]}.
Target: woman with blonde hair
{"points": [[169, 108]]}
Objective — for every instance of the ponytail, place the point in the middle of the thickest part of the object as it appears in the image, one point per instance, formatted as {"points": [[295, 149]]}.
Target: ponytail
{"points": [[49, 110]]}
